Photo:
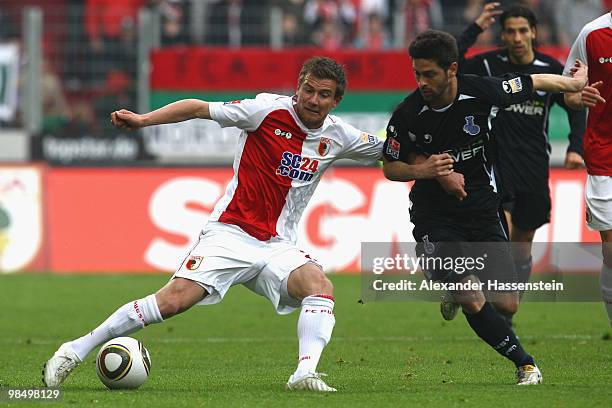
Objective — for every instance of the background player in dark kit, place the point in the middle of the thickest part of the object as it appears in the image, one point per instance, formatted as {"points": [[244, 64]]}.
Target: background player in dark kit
{"points": [[452, 115]]}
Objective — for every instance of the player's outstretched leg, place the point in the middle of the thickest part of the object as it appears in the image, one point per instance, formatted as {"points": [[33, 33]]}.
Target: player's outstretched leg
{"points": [[315, 325], [176, 297], [605, 279], [490, 326]]}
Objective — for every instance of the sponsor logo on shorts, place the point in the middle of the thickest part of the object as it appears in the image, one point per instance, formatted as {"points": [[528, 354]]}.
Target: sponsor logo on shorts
{"points": [[193, 263], [393, 148], [428, 246], [297, 167]]}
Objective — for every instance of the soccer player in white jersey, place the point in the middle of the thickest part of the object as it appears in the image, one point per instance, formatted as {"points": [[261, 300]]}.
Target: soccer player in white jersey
{"points": [[594, 45], [285, 146]]}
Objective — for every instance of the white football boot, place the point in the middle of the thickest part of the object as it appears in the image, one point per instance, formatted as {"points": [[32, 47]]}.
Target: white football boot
{"points": [[309, 382], [448, 306], [60, 365], [528, 375]]}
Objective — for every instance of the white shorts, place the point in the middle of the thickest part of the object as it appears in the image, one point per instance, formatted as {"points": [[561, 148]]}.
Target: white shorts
{"points": [[225, 256], [599, 202]]}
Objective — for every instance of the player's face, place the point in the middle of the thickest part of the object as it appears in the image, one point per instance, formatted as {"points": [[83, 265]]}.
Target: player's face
{"points": [[315, 99], [518, 37], [433, 80]]}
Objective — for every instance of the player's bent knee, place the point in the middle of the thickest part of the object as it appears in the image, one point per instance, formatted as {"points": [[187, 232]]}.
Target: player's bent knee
{"points": [[472, 307], [309, 280], [507, 308], [178, 296]]}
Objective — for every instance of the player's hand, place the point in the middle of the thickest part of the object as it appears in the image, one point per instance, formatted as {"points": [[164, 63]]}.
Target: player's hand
{"points": [[437, 165], [454, 184], [487, 18], [124, 119], [573, 161], [591, 96], [580, 72]]}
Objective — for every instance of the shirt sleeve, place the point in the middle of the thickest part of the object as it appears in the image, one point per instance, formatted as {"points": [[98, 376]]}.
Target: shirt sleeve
{"points": [[246, 114], [400, 141], [362, 146], [578, 51], [506, 90]]}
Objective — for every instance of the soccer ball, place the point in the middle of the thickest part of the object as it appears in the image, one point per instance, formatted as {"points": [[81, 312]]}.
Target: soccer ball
{"points": [[123, 363]]}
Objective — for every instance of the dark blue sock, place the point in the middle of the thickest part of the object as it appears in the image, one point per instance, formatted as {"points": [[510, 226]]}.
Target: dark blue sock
{"points": [[490, 326]]}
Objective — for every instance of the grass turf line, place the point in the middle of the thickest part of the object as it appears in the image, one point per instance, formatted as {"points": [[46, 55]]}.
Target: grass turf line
{"points": [[240, 353]]}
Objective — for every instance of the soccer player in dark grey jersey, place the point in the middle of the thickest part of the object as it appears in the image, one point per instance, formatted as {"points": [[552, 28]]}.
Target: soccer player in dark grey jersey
{"points": [[521, 130], [440, 137]]}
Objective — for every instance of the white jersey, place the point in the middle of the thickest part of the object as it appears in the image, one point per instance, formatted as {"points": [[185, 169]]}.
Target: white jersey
{"points": [[279, 162]]}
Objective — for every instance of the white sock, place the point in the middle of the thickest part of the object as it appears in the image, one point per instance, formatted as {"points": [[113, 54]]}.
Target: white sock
{"points": [[127, 319], [605, 280], [315, 326]]}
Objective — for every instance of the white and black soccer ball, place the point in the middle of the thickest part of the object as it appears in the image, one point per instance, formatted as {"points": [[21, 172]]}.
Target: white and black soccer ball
{"points": [[123, 363]]}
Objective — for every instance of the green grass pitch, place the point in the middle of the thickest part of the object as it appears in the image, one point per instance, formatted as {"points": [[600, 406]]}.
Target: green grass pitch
{"points": [[240, 353]]}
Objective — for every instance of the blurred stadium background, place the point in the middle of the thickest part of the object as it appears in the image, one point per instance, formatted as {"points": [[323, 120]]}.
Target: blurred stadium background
{"points": [[78, 196]]}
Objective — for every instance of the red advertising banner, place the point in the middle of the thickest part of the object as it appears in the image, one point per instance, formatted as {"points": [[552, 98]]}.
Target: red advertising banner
{"points": [[144, 220], [263, 69]]}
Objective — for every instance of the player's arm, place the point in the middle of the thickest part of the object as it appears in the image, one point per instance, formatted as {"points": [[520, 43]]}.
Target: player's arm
{"points": [[577, 121], [178, 111], [418, 167], [469, 36], [450, 181], [587, 98], [558, 83]]}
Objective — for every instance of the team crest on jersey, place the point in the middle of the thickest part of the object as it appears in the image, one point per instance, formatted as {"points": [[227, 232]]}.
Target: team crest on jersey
{"points": [[324, 146], [194, 262], [470, 127]]}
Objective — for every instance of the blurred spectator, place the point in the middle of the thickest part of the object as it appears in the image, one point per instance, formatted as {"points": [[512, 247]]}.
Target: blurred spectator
{"points": [[374, 36], [105, 25], [454, 21], [572, 15], [421, 15], [118, 91], [174, 28], [379, 7], [237, 23], [55, 109], [104, 19], [8, 32], [332, 22], [293, 34]]}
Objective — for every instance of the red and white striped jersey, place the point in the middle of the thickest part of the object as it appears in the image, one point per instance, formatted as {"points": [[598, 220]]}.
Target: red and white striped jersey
{"points": [[279, 162], [594, 46]]}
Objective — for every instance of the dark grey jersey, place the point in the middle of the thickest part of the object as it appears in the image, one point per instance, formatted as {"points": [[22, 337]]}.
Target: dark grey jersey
{"points": [[462, 130]]}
